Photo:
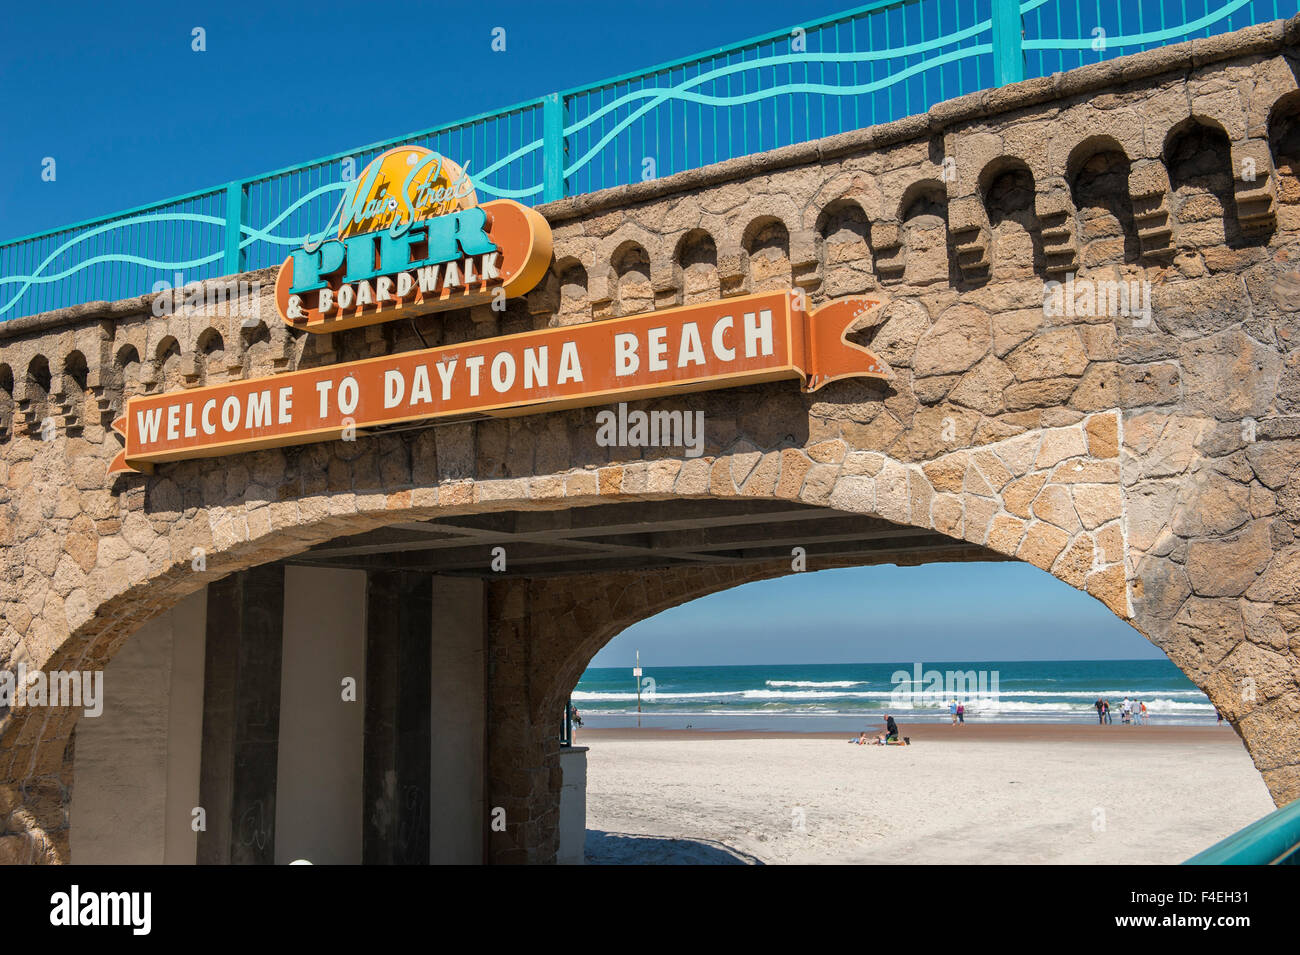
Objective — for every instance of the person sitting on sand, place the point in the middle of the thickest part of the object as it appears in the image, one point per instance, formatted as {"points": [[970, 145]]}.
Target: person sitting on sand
{"points": [[891, 729]]}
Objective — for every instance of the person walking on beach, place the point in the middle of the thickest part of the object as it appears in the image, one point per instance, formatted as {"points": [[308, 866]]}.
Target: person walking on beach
{"points": [[1126, 710], [952, 711], [1142, 713], [1100, 716], [961, 714], [1105, 709]]}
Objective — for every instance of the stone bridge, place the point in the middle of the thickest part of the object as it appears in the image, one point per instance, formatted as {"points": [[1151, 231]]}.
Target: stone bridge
{"points": [[1137, 436]]}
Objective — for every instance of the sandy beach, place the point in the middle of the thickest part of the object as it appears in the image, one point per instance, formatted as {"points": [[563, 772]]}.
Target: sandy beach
{"points": [[996, 793]]}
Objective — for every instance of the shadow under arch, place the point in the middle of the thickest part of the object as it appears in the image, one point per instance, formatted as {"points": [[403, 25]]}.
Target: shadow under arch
{"points": [[927, 252], [842, 233], [1284, 145], [1006, 188], [695, 266], [1097, 173], [1197, 154], [631, 278], [6, 402]]}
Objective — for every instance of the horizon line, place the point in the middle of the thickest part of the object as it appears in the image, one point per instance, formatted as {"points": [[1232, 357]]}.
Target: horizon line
{"points": [[898, 662]]}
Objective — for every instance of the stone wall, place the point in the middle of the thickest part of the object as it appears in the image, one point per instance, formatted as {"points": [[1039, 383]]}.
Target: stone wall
{"points": [[1149, 458]]}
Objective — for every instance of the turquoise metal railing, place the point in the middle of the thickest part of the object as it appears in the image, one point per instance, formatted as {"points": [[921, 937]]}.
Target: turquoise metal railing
{"points": [[867, 67], [1273, 840], [1062, 36], [884, 61]]}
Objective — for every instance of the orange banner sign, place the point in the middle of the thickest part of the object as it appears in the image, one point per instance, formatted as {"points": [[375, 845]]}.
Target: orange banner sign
{"points": [[723, 344], [512, 253]]}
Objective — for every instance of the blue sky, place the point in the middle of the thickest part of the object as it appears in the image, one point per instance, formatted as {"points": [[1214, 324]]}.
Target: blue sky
{"points": [[131, 114], [114, 93], [959, 611]]}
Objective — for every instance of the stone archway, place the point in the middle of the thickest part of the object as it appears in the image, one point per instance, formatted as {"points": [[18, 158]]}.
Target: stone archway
{"points": [[1052, 497], [1149, 456]]}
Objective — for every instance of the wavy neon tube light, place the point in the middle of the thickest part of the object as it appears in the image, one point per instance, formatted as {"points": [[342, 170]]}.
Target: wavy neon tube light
{"points": [[658, 96], [1137, 39], [36, 278]]}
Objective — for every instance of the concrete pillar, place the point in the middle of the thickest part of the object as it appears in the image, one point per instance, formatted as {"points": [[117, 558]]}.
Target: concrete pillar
{"points": [[523, 745], [395, 809], [185, 727], [136, 764], [318, 807], [459, 713], [241, 716]]}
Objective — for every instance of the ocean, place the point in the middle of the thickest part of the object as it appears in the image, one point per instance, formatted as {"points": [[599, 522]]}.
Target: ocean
{"points": [[855, 696]]}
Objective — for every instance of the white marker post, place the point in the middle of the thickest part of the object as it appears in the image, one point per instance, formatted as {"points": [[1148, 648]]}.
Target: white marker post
{"points": [[636, 672]]}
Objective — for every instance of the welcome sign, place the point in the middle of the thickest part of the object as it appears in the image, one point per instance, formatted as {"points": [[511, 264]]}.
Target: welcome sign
{"points": [[412, 239], [740, 341]]}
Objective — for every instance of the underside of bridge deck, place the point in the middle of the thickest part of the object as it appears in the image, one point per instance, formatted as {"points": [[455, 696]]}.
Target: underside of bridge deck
{"points": [[634, 536]]}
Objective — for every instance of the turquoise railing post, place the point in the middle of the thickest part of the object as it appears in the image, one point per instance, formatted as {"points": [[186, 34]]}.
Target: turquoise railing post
{"points": [[1273, 840], [236, 200], [1008, 53], [552, 147]]}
